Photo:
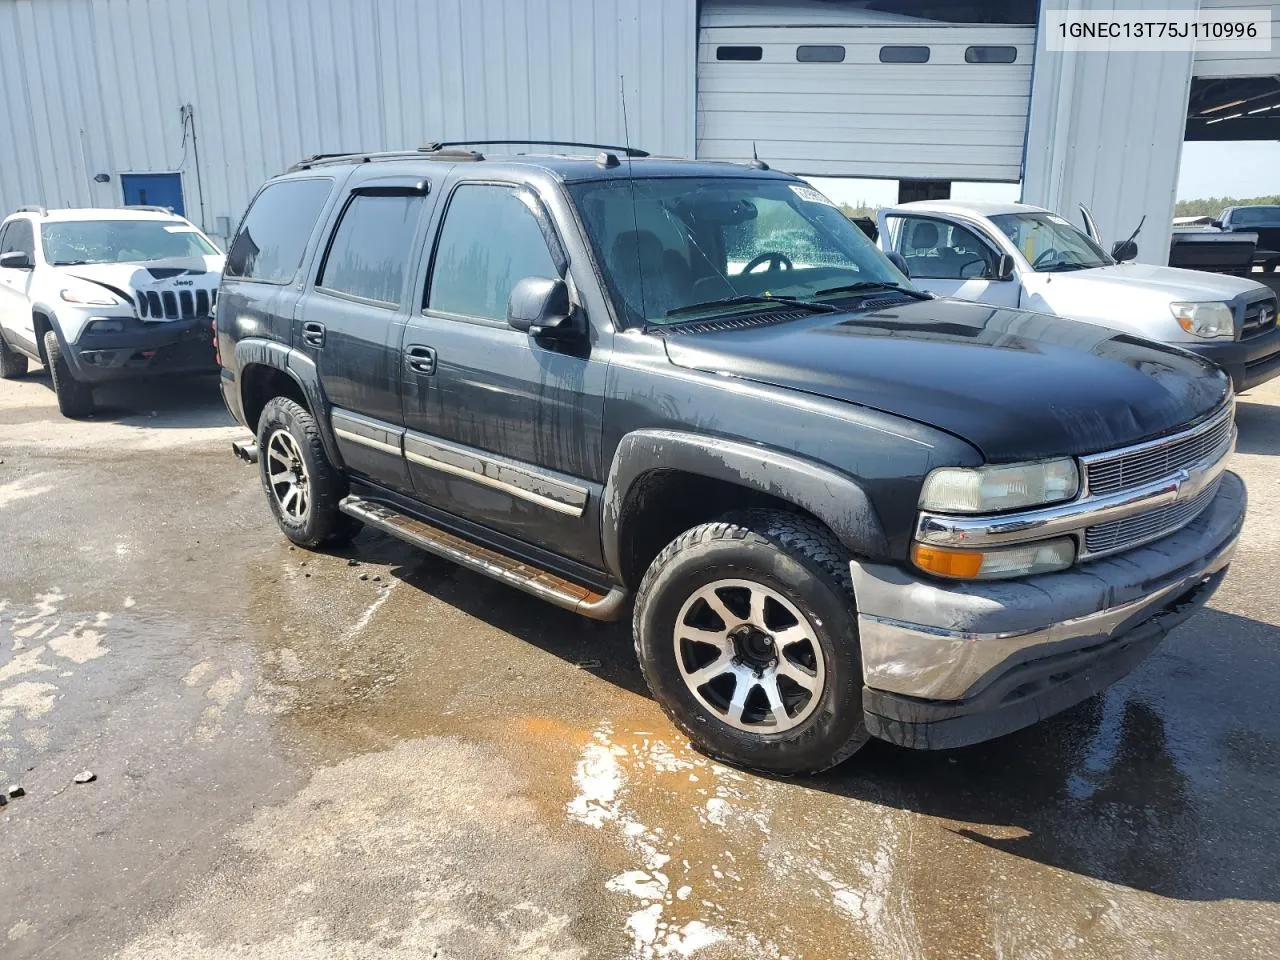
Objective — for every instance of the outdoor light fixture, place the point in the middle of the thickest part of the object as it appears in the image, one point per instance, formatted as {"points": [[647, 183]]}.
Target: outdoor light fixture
{"points": [[102, 178]]}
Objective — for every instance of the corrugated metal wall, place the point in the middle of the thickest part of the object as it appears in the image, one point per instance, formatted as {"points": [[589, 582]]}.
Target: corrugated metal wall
{"points": [[1107, 131], [99, 84], [1261, 63]]}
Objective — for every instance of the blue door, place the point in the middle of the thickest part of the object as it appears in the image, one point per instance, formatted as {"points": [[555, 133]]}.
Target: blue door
{"points": [[154, 189]]}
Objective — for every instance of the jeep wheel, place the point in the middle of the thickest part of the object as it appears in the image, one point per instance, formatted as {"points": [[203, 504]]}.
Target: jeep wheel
{"points": [[746, 634], [302, 486], [75, 398], [12, 363]]}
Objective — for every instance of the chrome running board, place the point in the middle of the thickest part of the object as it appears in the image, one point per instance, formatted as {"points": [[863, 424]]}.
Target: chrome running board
{"points": [[523, 576]]}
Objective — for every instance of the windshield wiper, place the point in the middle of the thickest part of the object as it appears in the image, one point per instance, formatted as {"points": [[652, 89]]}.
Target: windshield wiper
{"points": [[1063, 267], [769, 301], [867, 286], [69, 263]]}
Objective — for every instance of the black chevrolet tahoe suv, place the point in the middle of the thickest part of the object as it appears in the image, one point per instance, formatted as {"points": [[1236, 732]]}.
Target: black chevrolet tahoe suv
{"points": [[695, 394]]}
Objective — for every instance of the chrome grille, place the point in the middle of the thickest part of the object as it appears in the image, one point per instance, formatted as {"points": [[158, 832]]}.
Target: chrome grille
{"points": [[1150, 462], [1259, 317], [1132, 531]]}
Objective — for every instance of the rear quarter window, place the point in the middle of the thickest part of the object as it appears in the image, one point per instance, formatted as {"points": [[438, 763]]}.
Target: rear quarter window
{"points": [[273, 237]]}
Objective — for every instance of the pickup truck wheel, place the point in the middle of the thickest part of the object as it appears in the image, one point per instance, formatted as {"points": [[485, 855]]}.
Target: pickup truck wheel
{"points": [[302, 486], [75, 398], [12, 363], [746, 633]]}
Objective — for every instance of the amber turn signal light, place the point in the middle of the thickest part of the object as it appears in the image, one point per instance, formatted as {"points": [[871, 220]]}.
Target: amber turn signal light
{"points": [[964, 564]]}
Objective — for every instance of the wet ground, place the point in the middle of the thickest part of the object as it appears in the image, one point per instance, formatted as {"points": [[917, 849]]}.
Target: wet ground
{"points": [[297, 757]]}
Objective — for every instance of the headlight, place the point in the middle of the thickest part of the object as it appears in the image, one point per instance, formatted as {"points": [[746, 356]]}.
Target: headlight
{"points": [[1020, 561], [89, 297], [1001, 487], [1206, 320]]}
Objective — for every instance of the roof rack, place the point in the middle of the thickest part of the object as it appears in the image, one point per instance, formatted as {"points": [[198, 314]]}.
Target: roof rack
{"points": [[154, 208], [34, 209], [440, 145], [323, 159]]}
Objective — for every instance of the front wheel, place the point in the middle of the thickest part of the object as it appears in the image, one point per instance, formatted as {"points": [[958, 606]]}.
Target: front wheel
{"points": [[746, 634], [12, 364], [303, 487], [75, 398]]}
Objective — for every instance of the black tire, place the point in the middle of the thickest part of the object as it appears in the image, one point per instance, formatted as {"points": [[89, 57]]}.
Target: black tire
{"points": [[12, 364], [796, 558], [321, 523], [75, 397]]}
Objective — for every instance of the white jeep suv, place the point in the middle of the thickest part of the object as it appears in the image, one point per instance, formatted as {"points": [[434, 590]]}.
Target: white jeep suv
{"points": [[107, 294]]}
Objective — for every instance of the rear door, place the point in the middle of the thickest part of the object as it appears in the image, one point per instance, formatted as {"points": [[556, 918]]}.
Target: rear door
{"points": [[504, 429], [950, 259], [351, 318], [15, 285]]}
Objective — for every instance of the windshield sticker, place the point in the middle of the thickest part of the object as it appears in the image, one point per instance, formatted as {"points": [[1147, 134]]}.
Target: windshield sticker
{"points": [[1054, 218], [810, 194], [180, 230]]}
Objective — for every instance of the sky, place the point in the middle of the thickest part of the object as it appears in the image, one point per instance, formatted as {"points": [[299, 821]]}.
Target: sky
{"points": [[1231, 169]]}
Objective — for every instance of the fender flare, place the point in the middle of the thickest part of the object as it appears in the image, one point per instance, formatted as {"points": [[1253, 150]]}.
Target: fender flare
{"points": [[301, 369], [834, 498]]}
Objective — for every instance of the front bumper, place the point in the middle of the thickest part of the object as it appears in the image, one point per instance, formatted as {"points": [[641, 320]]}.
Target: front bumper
{"points": [[144, 348], [978, 660], [1247, 362]]}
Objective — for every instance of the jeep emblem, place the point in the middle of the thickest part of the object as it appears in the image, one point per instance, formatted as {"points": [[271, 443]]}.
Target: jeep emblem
{"points": [[184, 283]]}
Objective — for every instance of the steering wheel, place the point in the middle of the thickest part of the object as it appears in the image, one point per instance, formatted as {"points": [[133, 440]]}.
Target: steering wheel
{"points": [[776, 261], [979, 262], [1046, 257]]}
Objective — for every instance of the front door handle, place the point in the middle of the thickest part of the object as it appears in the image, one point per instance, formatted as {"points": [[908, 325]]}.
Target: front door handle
{"points": [[421, 359], [313, 333]]}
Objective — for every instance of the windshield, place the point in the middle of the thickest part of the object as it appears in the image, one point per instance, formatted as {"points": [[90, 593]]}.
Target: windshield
{"points": [[694, 241], [121, 241], [1050, 242], [1254, 216]]}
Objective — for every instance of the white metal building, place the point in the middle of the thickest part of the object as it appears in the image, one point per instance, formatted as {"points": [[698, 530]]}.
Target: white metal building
{"points": [[193, 103]]}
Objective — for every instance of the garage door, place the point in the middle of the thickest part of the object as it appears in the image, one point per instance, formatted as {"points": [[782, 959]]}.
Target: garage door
{"points": [[906, 101], [1241, 63]]}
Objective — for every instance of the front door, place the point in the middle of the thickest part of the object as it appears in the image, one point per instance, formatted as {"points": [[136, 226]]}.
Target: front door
{"points": [[504, 429], [15, 302], [950, 260], [350, 321], [153, 189]]}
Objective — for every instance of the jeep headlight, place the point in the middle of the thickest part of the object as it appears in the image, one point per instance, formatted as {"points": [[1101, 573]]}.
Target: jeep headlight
{"points": [[89, 296], [1209, 320], [992, 489]]}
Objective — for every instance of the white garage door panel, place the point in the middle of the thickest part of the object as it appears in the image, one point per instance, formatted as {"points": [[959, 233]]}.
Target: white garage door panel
{"points": [[946, 118], [1259, 63]]}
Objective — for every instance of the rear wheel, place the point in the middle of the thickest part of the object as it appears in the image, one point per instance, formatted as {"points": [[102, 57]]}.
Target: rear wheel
{"points": [[75, 398], [12, 363], [746, 634], [303, 487]]}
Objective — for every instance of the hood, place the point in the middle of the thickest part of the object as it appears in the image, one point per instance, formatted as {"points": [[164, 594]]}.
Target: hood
{"points": [[1169, 284], [137, 279], [1016, 385]]}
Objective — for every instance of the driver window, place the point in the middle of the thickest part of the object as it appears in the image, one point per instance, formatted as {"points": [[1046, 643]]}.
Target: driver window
{"points": [[939, 250]]}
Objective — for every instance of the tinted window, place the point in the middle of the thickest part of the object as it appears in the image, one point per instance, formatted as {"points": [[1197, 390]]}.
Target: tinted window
{"points": [[904, 54], [936, 249], [1255, 216], [820, 53], [273, 237], [739, 53], [370, 247], [490, 241], [991, 54], [18, 237]]}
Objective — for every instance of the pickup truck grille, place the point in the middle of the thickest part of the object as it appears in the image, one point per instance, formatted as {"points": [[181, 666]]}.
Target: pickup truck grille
{"points": [[1122, 534], [1150, 462], [1259, 318], [176, 305]]}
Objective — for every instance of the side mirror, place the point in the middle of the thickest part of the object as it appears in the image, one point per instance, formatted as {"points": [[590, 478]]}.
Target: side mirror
{"points": [[1124, 250], [16, 260], [897, 260], [1216, 223], [539, 305], [1005, 268]]}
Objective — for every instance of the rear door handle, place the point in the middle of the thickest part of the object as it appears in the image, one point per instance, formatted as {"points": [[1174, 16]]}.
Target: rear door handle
{"points": [[421, 359], [313, 333]]}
